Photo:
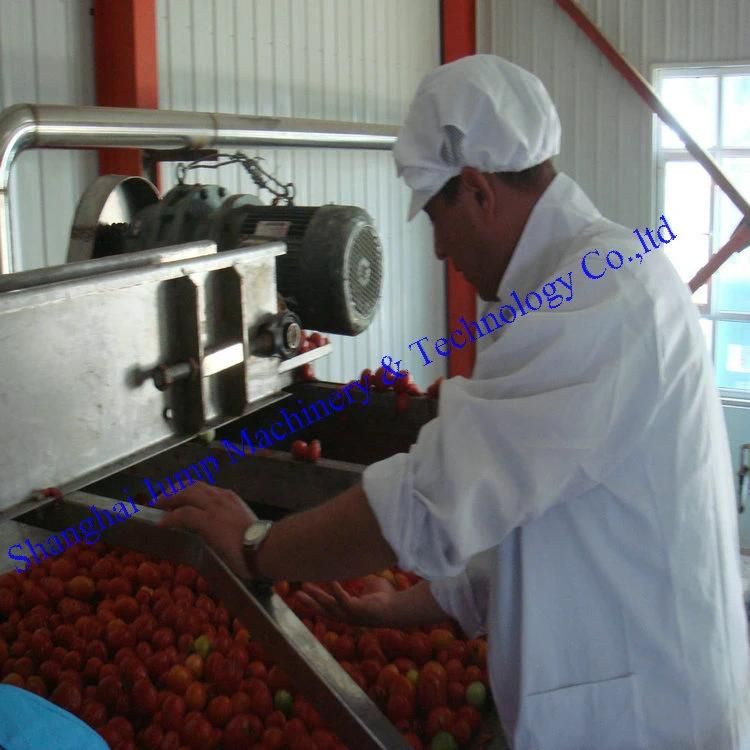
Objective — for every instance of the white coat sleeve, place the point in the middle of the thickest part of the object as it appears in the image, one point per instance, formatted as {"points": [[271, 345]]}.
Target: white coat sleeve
{"points": [[555, 404], [465, 597]]}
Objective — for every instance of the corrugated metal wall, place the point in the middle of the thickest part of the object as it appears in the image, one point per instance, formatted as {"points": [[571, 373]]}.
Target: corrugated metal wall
{"points": [[46, 56], [607, 130], [352, 60]]}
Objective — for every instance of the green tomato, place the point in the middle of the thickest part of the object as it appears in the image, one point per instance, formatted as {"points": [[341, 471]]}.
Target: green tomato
{"points": [[443, 741], [413, 676], [202, 645], [476, 695], [283, 702]]}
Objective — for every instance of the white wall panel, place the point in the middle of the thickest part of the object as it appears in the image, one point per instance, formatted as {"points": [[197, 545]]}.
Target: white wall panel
{"points": [[607, 130], [351, 60], [46, 57]]}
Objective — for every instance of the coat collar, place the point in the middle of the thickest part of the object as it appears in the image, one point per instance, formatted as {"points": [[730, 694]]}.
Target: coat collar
{"points": [[561, 213]]}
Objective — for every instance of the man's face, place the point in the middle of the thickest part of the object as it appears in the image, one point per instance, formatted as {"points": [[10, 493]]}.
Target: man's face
{"points": [[470, 234]]}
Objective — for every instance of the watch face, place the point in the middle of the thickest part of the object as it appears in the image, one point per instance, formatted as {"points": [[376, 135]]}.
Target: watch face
{"points": [[256, 532]]}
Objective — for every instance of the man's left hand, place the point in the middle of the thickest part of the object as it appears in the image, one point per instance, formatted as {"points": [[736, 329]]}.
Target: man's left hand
{"points": [[218, 515]]}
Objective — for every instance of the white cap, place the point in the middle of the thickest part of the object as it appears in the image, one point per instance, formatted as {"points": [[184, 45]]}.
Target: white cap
{"points": [[480, 111]]}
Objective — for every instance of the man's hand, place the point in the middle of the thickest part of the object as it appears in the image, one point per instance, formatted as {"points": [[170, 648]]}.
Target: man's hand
{"points": [[374, 607], [218, 515]]}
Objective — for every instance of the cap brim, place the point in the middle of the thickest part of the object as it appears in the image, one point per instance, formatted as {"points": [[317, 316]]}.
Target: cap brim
{"points": [[418, 200]]}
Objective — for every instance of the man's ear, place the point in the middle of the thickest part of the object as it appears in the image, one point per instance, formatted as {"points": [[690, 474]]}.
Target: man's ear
{"points": [[479, 187]]}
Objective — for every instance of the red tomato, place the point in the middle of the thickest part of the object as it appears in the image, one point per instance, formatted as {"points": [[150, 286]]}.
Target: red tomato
{"points": [[298, 450], [273, 738], [313, 451], [162, 638], [148, 574], [177, 679], [461, 731], [63, 569], [173, 711], [67, 696], [241, 731], [261, 700], [36, 684], [440, 719], [196, 696], [94, 714], [277, 679], [219, 710], [431, 692], [470, 715], [419, 648], [399, 707], [194, 663], [413, 741], [152, 737], [456, 694], [145, 697], [402, 403], [81, 587]]}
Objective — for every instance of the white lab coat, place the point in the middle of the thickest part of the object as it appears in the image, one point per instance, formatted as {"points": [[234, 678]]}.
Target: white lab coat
{"points": [[583, 475]]}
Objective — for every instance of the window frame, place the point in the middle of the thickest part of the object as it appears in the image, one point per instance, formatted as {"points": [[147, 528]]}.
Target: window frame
{"points": [[661, 156]]}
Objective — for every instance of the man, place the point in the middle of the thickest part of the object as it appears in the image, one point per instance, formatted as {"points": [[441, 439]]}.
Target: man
{"points": [[574, 497]]}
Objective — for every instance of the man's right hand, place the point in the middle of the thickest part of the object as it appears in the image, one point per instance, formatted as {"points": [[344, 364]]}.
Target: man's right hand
{"points": [[373, 607]]}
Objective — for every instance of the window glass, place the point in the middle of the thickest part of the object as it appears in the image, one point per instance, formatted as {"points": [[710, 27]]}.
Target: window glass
{"points": [[735, 112], [731, 283], [687, 204], [732, 356], [693, 101]]}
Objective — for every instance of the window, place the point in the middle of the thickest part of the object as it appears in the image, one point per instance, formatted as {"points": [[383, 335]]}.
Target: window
{"points": [[713, 104]]}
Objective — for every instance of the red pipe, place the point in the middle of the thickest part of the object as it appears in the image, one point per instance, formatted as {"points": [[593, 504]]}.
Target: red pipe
{"points": [[126, 68], [458, 39]]}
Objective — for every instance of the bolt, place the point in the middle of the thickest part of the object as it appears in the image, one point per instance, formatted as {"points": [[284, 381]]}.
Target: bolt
{"points": [[292, 336], [168, 414]]}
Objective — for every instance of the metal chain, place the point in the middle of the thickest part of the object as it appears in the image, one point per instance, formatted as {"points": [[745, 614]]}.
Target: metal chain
{"points": [[264, 180]]}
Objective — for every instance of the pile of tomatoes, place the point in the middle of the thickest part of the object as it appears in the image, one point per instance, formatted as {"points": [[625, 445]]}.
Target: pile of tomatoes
{"points": [[431, 682], [138, 649]]}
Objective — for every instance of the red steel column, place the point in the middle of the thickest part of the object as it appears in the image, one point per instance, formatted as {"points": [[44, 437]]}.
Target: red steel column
{"points": [[126, 68], [458, 39]]}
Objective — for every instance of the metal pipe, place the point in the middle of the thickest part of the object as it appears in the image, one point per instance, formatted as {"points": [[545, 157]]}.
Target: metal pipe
{"points": [[24, 126]]}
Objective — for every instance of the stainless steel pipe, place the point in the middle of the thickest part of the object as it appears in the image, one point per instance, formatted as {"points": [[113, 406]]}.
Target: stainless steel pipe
{"points": [[25, 126]]}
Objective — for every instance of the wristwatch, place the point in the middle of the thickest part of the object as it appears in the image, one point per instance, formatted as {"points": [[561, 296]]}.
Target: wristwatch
{"points": [[253, 538]]}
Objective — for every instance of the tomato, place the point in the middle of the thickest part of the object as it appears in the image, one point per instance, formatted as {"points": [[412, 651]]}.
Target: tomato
{"points": [[476, 695], [177, 679], [456, 694], [472, 674], [393, 642], [145, 697], [454, 670], [440, 638], [152, 737], [283, 702], [162, 638], [36, 684], [413, 741], [431, 692], [402, 403], [277, 679], [80, 587], [419, 648], [313, 451], [67, 696], [273, 738], [261, 701], [219, 710], [93, 713], [241, 731], [196, 731], [443, 741], [203, 646], [439, 719], [173, 711], [50, 671], [148, 574], [119, 585], [122, 726], [399, 707], [63, 568], [53, 587], [109, 690], [476, 652], [386, 674], [196, 696], [298, 449], [471, 716]]}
